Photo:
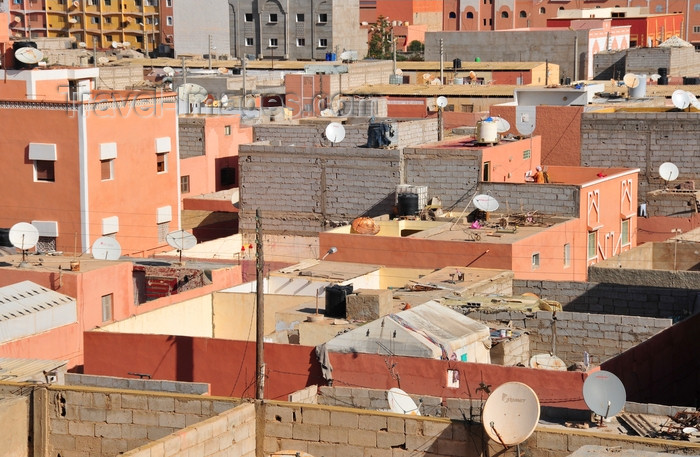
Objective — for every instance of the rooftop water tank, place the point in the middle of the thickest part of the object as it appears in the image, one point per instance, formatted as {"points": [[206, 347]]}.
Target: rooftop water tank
{"points": [[486, 131]]}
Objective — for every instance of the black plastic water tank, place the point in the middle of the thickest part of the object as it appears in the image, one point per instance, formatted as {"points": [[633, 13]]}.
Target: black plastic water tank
{"points": [[663, 71], [457, 63], [408, 204], [662, 81], [336, 296]]}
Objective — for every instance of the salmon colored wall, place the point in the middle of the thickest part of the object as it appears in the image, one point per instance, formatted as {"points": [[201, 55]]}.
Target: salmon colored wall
{"points": [[62, 343], [660, 228], [302, 90], [414, 252], [560, 128], [549, 244], [411, 107], [46, 201], [228, 366], [507, 162], [137, 189], [12, 89]]}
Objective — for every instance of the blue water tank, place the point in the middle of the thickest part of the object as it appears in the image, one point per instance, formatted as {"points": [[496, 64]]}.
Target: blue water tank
{"points": [[330, 56]]}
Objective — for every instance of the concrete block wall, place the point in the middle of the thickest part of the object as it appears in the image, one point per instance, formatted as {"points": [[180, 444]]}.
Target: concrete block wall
{"points": [[620, 299], [642, 140], [375, 399], [194, 388], [679, 279], [230, 433], [671, 204], [609, 65], [308, 395], [120, 77], [511, 352], [553, 199], [191, 137], [87, 422]]}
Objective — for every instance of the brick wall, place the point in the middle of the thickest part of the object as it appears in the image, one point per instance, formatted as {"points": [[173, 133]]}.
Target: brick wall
{"points": [[620, 299], [191, 137]]}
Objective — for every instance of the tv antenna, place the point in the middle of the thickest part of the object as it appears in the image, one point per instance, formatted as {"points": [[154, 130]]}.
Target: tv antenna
{"points": [[668, 172], [106, 248], [604, 394], [335, 132], [181, 240], [24, 236], [401, 403], [510, 414]]}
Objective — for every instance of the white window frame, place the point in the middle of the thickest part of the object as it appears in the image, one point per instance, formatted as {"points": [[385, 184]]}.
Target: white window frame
{"points": [[249, 42], [535, 260], [567, 255], [623, 241], [322, 18], [594, 235], [323, 42], [272, 43], [301, 42], [272, 18]]}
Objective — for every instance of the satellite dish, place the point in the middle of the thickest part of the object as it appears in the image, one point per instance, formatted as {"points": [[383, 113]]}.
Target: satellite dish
{"points": [[224, 99], [502, 125], [680, 99], [631, 80], [102, 60], [23, 235], [106, 248], [472, 76], [655, 77], [485, 203], [604, 394], [169, 71], [525, 119], [441, 101], [547, 362], [401, 403], [17, 19], [427, 76], [398, 72], [82, 44], [116, 44], [223, 70], [668, 171], [126, 44], [29, 55], [511, 413], [335, 132], [181, 240], [73, 20], [192, 93], [693, 100], [436, 82]]}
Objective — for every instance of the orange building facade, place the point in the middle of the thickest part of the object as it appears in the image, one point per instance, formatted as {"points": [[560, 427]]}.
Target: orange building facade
{"points": [[82, 164]]}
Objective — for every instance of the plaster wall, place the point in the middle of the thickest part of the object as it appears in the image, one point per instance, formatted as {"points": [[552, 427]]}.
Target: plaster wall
{"points": [[190, 19], [157, 385], [14, 426]]}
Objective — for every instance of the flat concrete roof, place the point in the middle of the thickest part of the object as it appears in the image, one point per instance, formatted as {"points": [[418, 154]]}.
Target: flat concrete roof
{"points": [[324, 269], [429, 90]]}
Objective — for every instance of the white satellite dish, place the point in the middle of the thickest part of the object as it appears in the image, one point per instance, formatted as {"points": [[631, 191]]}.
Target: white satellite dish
{"points": [[181, 240], [346, 55], [693, 100], [631, 80], [169, 71], [502, 125], [604, 394], [192, 93], [106, 248], [401, 403], [547, 362], [116, 44], [655, 77], [398, 72], [224, 99], [511, 413], [82, 44], [525, 119], [441, 101], [29, 55], [223, 70], [335, 132], [102, 60], [680, 99], [485, 203], [23, 236], [668, 171], [436, 82], [126, 44]]}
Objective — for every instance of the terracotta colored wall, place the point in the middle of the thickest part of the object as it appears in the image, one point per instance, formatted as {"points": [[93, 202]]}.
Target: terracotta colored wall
{"points": [[660, 228], [507, 159], [560, 128], [406, 107]]}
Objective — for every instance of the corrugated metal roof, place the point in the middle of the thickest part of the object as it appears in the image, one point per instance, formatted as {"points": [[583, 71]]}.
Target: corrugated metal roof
{"points": [[423, 90], [20, 370]]}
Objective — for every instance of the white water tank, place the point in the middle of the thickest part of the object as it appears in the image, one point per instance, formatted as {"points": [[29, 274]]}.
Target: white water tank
{"points": [[486, 131]]}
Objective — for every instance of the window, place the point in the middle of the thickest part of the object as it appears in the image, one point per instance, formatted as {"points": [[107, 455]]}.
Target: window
{"points": [[272, 43], [535, 260], [453, 379], [91, 2], [44, 170], [696, 29], [185, 184], [625, 232], [227, 129], [322, 43], [542, 10], [248, 17], [300, 18], [486, 174], [322, 18], [108, 2], [470, 15], [46, 244], [228, 177], [453, 15], [567, 255], [526, 154], [504, 15], [107, 301], [696, 7], [137, 2], [659, 9], [169, 3], [107, 169], [109, 38], [17, 2], [169, 20], [94, 20], [592, 239], [162, 162], [108, 20], [523, 13], [249, 42], [272, 19], [301, 42]]}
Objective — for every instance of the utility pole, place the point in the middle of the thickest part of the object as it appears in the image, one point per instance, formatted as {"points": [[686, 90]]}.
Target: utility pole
{"points": [[393, 44], [259, 308], [442, 60], [209, 55]]}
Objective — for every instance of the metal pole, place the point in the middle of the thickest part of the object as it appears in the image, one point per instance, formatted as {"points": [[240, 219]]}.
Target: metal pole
{"points": [[442, 59], [259, 308], [184, 71], [440, 124], [209, 55], [393, 44], [576, 76]]}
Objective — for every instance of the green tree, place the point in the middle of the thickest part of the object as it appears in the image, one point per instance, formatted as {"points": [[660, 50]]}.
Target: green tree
{"points": [[415, 49], [380, 39]]}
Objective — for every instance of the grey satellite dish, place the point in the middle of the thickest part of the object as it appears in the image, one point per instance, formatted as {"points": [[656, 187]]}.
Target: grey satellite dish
{"points": [[511, 413], [441, 101], [604, 394], [502, 125], [24, 236], [631, 80], [335, 132], [192, 93], [169, 71], [680, 99], [29, 55], [668, 171], [525, 119], [106, 248], [485, 203], [181, 240], [401, 403]]}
